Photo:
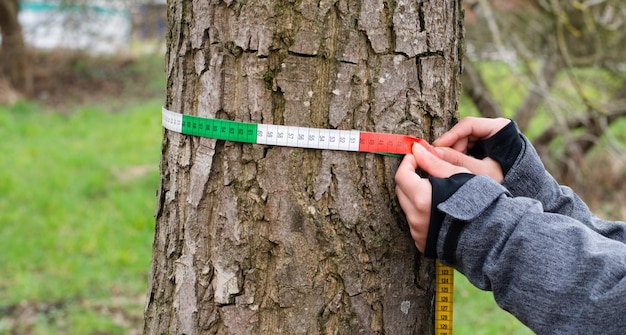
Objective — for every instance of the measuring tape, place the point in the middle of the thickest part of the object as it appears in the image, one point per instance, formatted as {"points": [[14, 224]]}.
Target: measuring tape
{"points": [[299, 137], [444, 298], [325, 139]]}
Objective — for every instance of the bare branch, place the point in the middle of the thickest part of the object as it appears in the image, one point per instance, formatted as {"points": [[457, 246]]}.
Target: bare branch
{"points": [[613, 110], [538, 92], [477, 90]]}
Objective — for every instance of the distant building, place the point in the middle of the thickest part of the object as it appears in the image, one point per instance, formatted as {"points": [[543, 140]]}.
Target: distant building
{"points": [[99, 27]]}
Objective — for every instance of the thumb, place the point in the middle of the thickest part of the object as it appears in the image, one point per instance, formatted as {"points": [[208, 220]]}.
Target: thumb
{"points": [[485, 166], [434, 165]]}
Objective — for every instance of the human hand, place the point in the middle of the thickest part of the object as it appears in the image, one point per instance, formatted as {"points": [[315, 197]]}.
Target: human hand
{"points": [[415, 193], [454, 145]]}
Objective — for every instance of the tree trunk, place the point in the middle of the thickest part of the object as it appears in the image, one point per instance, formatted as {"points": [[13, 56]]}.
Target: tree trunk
{"points": [[255, 239], [14, 64]]}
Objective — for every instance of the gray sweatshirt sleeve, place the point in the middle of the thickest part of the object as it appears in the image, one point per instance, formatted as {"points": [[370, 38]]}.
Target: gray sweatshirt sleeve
{"points": [[529, 178], [552, 271]]}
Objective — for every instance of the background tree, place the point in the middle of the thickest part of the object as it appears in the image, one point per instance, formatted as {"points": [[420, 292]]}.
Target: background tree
{"points": [[549, 45], [79, 22], [14, 64], [270, 240]]}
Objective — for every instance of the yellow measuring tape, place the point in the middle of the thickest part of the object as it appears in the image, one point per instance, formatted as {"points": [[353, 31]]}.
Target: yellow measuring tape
{"points": [[444, 298]]}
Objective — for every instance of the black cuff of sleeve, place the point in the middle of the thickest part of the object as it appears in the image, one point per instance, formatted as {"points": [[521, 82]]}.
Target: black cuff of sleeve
{"points": [[443, 188], [504, 147], [451, 242]]}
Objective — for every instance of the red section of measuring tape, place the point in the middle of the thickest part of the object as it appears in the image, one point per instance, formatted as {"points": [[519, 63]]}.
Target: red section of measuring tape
{"points": [[390, 143]]}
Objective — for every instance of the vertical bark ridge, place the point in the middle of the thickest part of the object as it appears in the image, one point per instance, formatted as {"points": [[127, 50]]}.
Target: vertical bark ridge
{"points": [[256, 239]]}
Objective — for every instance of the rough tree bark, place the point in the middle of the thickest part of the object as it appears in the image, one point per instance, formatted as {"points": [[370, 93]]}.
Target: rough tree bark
{"points": [[14, 64], [270, 240]]}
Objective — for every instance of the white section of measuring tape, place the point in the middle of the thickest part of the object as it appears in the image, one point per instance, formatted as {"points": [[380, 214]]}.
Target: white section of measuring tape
{"points": [[302, 137], [172, 121]]}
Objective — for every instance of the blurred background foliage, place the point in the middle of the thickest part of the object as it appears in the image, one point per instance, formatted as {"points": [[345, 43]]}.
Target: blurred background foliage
{"points": [[558, 68], [80, 141]]}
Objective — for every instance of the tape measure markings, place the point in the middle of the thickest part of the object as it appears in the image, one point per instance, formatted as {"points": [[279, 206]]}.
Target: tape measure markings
{"points": [[329, 139], [301, 137], [444, 298]]}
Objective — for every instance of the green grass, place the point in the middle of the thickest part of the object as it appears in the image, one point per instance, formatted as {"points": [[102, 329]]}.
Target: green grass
{"points": [[476, 312], [77, 194]]}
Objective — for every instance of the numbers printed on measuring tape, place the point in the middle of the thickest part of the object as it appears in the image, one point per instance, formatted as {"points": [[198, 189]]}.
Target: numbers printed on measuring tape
{"points": [[302, 137], [443, 299]]}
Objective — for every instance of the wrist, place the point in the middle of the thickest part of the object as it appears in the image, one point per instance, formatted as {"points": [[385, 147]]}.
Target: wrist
{"points": [[442, 189]]}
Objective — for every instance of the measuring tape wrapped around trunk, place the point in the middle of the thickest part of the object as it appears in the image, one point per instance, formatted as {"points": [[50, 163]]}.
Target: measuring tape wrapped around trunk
{"points": [[323, 139], [288, 136]]}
